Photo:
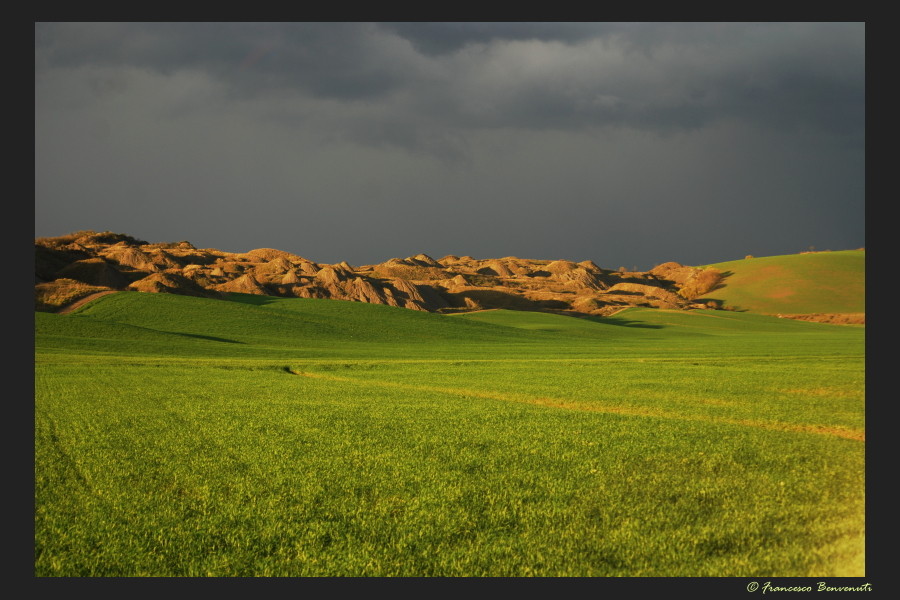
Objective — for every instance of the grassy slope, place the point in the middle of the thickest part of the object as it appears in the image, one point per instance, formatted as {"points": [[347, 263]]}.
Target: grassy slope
{"points": [[170, 440], [251, 327], [818, 282]]}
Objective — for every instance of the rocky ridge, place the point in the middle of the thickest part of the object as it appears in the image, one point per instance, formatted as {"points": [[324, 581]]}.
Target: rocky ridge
{"points": [[67, 268]]}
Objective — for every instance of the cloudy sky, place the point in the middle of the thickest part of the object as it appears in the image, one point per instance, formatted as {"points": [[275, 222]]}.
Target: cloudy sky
{"points": [[629, 144]]}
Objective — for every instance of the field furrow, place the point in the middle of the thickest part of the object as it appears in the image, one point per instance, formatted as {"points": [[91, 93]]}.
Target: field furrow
{"points": [[574, 404]]}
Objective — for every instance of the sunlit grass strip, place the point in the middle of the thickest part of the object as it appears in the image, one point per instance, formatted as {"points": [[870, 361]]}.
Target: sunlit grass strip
{"points": [[838, 431]]}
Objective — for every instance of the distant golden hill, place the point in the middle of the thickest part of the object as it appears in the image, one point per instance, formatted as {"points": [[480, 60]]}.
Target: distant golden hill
{"points": [[72, 267]]}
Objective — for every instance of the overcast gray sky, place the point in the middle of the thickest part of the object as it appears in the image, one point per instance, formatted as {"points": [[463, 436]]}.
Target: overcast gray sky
{"points": [[629, 144]]}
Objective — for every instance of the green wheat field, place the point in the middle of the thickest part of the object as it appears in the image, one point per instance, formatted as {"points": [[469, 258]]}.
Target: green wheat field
{"points": [[262, 436]]}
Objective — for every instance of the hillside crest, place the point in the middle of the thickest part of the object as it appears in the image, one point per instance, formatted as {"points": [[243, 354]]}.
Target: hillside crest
{"points": [[72, 267]]}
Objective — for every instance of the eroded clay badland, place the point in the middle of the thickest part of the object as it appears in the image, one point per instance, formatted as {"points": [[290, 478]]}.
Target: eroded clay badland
{"points": [[78, 266]]}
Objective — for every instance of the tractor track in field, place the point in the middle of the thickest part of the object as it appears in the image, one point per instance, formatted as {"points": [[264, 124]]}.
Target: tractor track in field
{"points": [[836, 431]]}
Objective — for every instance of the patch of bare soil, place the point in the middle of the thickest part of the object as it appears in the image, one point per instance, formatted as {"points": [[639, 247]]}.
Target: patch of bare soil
{"points": [[833, 318], [245, 284], [78, 303]]}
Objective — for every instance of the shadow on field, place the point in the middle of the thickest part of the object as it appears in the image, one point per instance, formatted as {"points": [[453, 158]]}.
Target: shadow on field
{"points": [[210, 338], [719, 302], [621, 322], [252, 299]]}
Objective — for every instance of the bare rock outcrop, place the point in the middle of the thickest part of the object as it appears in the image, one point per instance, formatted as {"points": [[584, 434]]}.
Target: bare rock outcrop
{"points": [[459, 280], [94, 271], [290, 278], [673, 271], [245, 284], [424, 260], [419, 282], [330, 275], [655, 296], [127, 256], [362, 290], [308, 267], [417, 297], [269, 254], [583, 278], [496, 268], [561, 267], [171, 283]]}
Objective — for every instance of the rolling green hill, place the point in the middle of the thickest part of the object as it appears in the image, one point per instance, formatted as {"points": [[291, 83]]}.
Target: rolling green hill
{"points": [[816, 282], [252, 326]]}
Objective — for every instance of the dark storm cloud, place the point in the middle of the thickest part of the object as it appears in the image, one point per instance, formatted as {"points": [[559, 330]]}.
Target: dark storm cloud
{"points": [[324, 59], [443, 38], [529, 75], [561, 140]]}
